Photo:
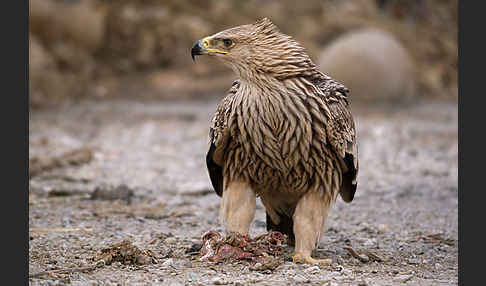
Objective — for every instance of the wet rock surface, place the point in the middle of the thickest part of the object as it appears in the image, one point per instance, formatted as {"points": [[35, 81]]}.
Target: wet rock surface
{"points": [[404, 213]]}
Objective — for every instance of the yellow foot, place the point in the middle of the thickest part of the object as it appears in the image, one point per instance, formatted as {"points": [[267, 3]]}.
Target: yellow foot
{"points": [[306, 259]]}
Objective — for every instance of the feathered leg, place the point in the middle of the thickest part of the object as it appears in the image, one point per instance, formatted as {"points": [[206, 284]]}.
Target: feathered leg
{"points": [[238, 207], [309, 220]]}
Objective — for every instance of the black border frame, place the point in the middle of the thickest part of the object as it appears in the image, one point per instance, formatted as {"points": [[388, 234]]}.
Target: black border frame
{"points": [[14, 121]]}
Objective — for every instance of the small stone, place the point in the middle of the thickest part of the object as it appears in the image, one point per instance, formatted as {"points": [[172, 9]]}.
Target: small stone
{"points": [[290, 272], [168, 262], [363, 258], [339, 268], [340, 261], [313, 270], [414, 261], [402, 278], [192, 276], [301, 279], [121, 192], [382, 228], [347, 272], [370, 242], [170, 240], [260, 223], [218, 281], [144, 259]]}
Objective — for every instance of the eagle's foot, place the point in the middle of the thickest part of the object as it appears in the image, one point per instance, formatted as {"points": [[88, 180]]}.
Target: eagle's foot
{"points": [[307, 259]]}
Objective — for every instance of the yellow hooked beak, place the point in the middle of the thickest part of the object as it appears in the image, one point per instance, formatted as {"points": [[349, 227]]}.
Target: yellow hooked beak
{"points": [[203, 47]]}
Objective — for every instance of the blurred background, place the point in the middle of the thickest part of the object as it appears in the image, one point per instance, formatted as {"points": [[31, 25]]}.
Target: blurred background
{"points": [[104, 49]]}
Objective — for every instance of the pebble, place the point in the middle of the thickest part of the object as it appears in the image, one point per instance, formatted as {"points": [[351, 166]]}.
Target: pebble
{"points": [[370, 242], [347, 272], [339, 268], [218, 281], [339, 260], [402, 278], [170, 240], [192, 276], [313, 270], [301, 279], [260, 223], [363, 258], [168, 262], [144, 259], [121, 192], [414, 261], [382, 228]]}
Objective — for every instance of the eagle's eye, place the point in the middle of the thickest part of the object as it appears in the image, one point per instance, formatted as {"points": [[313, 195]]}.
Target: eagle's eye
{"points": [[227, 42]]}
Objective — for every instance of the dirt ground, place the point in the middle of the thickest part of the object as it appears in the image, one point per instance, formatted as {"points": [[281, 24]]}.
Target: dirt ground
{"points": [[141, 177]]}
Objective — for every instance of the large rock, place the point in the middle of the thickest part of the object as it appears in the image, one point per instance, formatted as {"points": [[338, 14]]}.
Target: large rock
{"points": [[44, 78], [371, 63], [65, 36], [81, 23], [49, 79]]}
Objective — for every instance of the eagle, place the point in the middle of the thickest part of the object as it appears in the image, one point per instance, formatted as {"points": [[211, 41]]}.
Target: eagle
{"points": [[284, 133]]}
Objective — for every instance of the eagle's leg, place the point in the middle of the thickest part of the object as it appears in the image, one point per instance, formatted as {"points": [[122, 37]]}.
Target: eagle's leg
{"points": [[309, 220], [238, 207]]}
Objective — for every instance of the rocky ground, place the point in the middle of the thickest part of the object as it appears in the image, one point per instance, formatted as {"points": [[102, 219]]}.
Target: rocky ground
{"points": [[104, 172]]}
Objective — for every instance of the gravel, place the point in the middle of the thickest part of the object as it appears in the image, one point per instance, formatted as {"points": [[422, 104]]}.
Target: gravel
{"points": [[404, 211]]}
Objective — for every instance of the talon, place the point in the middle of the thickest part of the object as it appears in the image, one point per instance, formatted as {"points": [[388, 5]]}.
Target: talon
{"points": [[306, 259]]}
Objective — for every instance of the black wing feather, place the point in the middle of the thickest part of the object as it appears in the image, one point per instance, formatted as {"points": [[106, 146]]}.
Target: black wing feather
{"points": [[215, 171], [218, 140]]}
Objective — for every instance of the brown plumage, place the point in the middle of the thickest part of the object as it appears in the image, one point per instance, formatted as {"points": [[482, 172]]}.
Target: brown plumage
{"points": [[284, 132]]}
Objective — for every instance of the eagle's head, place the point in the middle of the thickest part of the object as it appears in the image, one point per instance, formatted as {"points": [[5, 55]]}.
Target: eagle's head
{"points": [[258, 48]]}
